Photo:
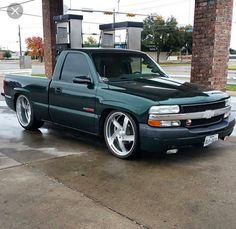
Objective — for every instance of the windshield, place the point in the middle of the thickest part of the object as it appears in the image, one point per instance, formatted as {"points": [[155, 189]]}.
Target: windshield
{"points": [[125, 66]]}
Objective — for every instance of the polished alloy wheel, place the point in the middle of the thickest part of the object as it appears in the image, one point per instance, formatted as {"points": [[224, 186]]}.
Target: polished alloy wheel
{"points": [[120, 134], [23, 110]]}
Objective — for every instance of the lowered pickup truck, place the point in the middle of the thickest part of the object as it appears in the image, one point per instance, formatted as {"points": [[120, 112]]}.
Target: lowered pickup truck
{"points": [[124, 96]]}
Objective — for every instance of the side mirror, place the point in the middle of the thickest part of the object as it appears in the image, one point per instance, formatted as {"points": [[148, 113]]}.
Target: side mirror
{"points": [[82, 80]]}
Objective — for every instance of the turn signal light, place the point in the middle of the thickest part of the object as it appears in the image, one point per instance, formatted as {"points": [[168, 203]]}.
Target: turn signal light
{"points": [[156, 123]]}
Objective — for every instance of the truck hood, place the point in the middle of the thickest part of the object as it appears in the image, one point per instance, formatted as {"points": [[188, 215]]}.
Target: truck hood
{"points": [[167, 91]]}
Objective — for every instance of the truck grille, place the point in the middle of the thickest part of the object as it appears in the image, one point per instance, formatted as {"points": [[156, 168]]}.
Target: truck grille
{"points": [[203, 122], [199, 108], [202, 107]]}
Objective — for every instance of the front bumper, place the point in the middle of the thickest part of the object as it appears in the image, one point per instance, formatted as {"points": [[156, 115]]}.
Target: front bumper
{"points": [[155, 139]]}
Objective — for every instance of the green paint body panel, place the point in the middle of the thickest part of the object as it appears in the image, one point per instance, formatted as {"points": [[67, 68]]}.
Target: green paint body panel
{"points": [[81, 106]]}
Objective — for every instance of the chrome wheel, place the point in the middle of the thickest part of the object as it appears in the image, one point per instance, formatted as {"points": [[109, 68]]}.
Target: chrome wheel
{"points": [[120, 134], [23, 110]]}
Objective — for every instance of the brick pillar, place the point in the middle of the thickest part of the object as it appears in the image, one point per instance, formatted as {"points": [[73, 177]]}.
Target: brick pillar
{"points": [[211, 40], [50, 8]]}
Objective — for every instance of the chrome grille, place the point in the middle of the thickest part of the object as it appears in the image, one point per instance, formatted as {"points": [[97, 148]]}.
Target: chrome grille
{"points": [[203, 122]]}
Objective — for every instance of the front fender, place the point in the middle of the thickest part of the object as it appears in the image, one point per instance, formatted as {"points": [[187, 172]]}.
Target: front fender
{"points": [[135, 105], [137, 109], [21, 90]]}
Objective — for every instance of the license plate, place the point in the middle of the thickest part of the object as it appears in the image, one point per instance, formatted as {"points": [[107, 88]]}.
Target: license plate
{"points": [[210, 139]]}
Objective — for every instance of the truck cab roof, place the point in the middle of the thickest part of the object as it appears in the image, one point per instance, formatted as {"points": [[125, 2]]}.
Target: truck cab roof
{"points": [[105, 50]]}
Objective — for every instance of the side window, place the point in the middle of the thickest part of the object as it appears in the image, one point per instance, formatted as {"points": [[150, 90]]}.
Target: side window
{"points": [[74, 65]]}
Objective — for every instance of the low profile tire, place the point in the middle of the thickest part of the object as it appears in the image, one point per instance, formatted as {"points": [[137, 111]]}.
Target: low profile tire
{"points": [[25, 114], [121, 134]]}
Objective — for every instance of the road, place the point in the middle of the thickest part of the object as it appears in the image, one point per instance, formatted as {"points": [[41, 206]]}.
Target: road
{"points": [[185, 71], [181, 73], [9, 66], [59, 178]]}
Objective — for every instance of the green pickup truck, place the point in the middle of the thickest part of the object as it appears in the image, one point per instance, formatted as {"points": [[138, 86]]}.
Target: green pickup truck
{"points": [[124, 96]]}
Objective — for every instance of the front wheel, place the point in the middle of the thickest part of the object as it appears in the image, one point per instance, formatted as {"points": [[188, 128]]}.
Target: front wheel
{"points": [[25, 114], [121, 135]]}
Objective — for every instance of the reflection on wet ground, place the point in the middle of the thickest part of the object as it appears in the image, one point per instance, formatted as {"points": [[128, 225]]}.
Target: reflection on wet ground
{"points": [[195, 188]]}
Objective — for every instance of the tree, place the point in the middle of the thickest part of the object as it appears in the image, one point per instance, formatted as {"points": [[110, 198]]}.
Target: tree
{"points": [[186, 39], [35, 47], [7, 54], [164, 36], [27, 53], [90, 42]]}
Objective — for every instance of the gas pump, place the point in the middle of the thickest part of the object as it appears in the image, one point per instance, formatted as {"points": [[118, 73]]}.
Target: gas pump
{"points": [[133, 34], [68, 32]]}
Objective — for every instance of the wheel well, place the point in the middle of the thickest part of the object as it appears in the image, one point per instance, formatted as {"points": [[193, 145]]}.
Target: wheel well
{"points": [[15, 98], [102, 120], [104, 115]]}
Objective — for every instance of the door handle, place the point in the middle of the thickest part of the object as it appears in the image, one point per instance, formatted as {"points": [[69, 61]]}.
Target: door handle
{"points": [[58, 90]]}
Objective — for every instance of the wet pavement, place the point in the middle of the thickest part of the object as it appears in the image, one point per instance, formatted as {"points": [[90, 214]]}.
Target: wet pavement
{"points": [[58, 178]]}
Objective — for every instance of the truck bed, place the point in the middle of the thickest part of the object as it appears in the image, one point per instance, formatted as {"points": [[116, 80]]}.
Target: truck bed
{"points": [[36, 88]]}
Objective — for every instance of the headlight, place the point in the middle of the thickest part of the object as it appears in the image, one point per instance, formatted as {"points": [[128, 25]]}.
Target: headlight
{"points": [[172, 109], [227, 102]]}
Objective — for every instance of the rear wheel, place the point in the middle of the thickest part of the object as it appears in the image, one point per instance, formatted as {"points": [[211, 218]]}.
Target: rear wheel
{"points": [[25, 114], [121, 135]]}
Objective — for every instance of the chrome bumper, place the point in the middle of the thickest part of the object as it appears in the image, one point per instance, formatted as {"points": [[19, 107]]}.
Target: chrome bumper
{"points": [[196, 115]]}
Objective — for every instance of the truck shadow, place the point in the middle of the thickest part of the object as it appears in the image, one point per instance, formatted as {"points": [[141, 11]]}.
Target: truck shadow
{"points": [[64, 139]]}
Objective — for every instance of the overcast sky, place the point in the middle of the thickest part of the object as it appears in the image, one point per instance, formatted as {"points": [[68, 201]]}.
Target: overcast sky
{"points": [[183, 10]]}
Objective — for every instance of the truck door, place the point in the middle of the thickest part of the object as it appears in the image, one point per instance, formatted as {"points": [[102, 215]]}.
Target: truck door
{"points": [[73, 104]]}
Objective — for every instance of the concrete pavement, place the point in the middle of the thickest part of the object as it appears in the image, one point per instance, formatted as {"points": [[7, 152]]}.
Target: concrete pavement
{"points": [[58, 178], [31, 199]]}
